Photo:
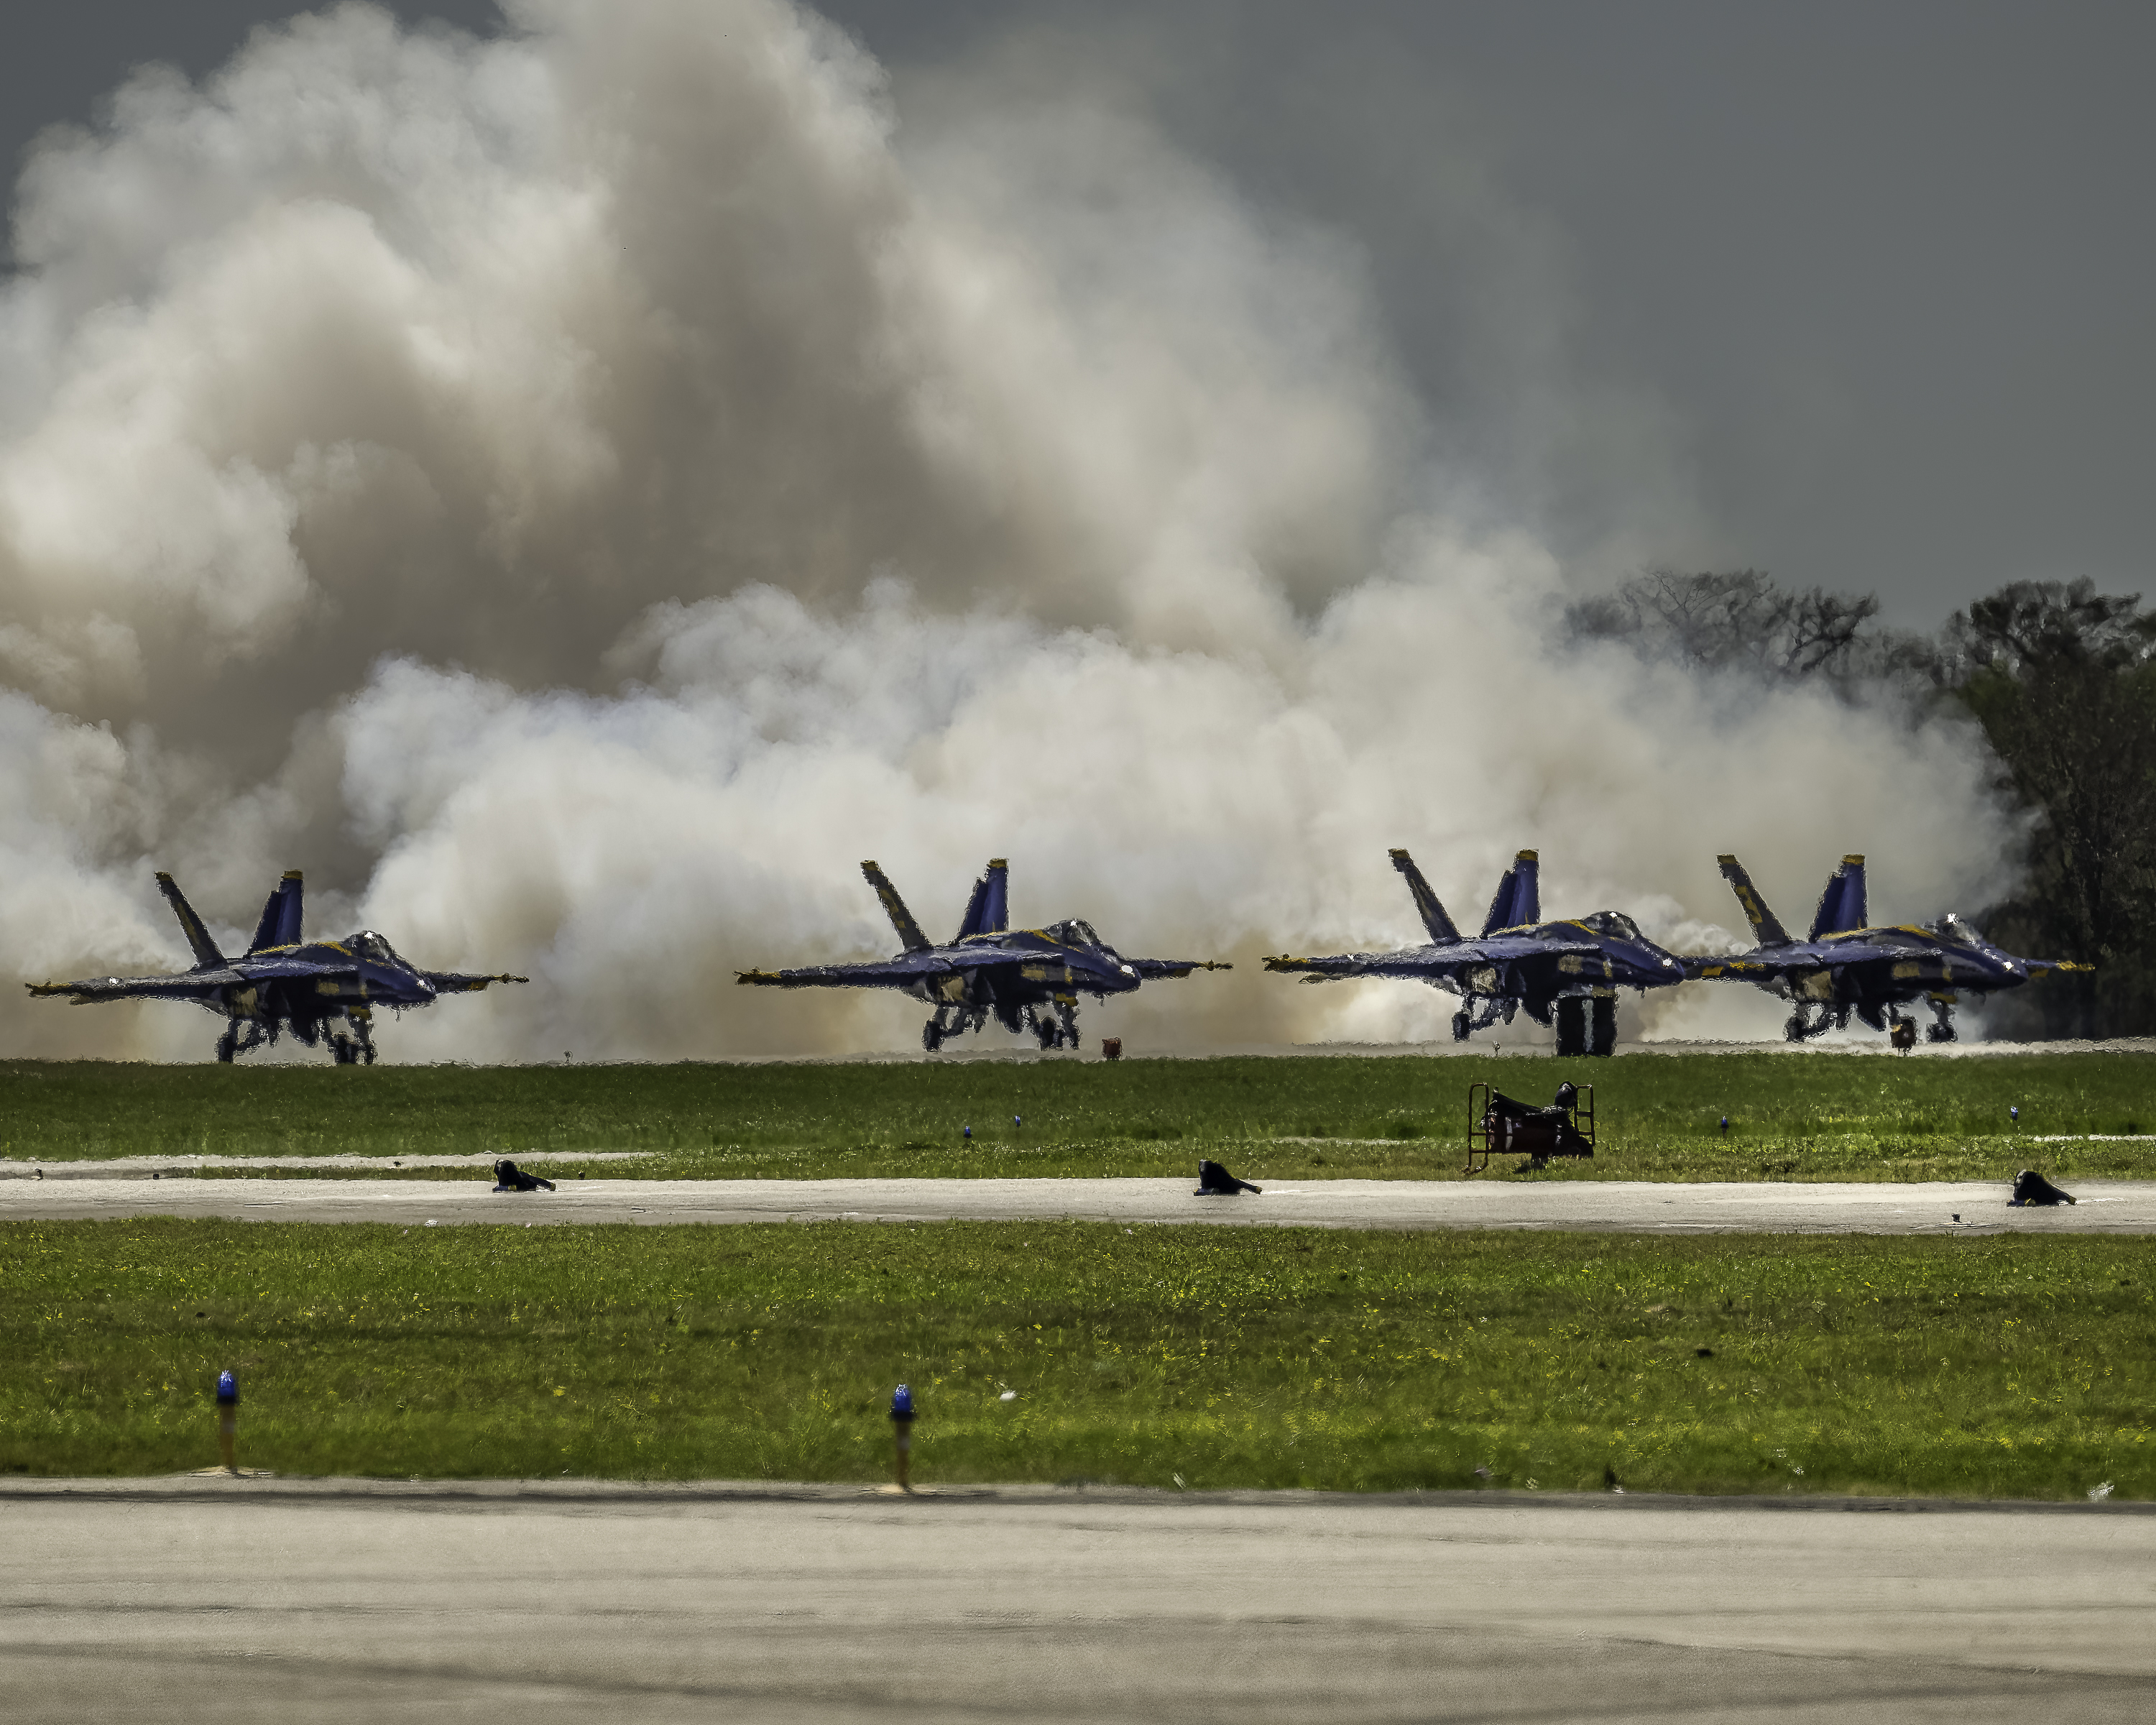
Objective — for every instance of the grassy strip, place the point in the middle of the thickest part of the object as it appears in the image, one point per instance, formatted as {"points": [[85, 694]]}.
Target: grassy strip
{"points": [[1817, 1117], [2008, 1366]]}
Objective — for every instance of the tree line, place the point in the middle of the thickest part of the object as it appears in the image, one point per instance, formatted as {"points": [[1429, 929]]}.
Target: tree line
{"points": [[2059, 679]]}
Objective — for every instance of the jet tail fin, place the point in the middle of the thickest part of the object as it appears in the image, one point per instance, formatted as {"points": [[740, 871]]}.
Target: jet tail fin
{"points": [[1434, 919], [901, 919], [988, 911], [279, 926], [1766, 927], [205, 949], [1519, 899], [1842, 904]]}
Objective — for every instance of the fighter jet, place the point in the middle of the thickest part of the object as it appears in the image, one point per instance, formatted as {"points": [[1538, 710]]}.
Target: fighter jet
{"points": [[321, 991], [1030, 978], [1568, 972], [1843, 966]]}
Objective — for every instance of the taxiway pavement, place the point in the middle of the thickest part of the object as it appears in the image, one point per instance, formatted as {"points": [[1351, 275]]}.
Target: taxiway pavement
{"points": [[1635, 1207], [258, 1599]]}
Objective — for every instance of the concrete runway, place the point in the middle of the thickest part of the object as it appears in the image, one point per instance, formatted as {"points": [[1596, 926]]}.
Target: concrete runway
{"points": [[237, 1601], [1641, 1206]]}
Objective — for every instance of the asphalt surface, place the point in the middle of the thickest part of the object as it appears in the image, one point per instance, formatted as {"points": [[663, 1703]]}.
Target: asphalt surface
{"points": [[1642, 1207], [246, 1600]]}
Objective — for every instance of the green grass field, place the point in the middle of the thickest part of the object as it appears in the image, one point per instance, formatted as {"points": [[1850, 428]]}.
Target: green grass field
{"points": [[1792, 1116], [2007, 1366]]}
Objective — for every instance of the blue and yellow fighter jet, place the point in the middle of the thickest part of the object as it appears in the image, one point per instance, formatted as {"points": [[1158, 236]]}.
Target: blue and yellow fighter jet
{"points": [[1565, 973], [321, 991], [1030, 978], [1843, 966]]}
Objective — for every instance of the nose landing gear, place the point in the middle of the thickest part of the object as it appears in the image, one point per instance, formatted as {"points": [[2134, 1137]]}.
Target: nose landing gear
{"points": [[1056, 1029], [356, 1048]]}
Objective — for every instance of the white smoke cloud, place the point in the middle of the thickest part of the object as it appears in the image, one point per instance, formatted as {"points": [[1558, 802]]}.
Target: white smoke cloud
{"points": [[577, 494]]}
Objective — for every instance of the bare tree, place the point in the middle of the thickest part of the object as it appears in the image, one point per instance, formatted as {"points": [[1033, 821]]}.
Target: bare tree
{"points": [[1741, 621]]}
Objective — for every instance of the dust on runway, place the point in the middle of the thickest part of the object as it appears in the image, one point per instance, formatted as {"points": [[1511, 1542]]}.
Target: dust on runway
{"points": [[197, 1599]]}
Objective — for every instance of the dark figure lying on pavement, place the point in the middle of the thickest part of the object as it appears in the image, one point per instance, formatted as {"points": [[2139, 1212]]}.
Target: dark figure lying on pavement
{"points": [[2032, 1188], [1540, 1132], [1214, 1181], [509, 1177]]}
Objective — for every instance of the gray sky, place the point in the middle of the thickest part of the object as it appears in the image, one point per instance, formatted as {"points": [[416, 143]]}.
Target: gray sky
{"points": [[1854, 293]]}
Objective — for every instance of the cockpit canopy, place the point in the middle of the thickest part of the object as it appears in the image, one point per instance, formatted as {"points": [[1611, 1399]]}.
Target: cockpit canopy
{"points": [[1615, 924], [1074, 933], [370, 945]]}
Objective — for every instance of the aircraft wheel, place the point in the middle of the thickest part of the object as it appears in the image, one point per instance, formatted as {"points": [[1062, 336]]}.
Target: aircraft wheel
{"points": [[227, 1044], [1461, 1025], [1571, 1026], [1794, 1029], [1939, 1033], [366, 1054], [1604, 1040], [931, 1036]]}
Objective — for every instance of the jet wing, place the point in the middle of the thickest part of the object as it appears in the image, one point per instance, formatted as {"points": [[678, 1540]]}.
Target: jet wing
{"points": [[1840, 953], [1800, 959], [1337, 965], [898, 973], [456, 982], [285, 968], [350, 973], [1153, 969], [1420, 962], [190, 985], [1502, 948]]}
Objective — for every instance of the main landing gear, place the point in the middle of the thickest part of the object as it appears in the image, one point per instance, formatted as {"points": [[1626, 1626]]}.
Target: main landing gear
{"points": [[1803, 1024], [1587, 1025], [1055, 1027], [232, 1043], [951, 1021], [1491, 1010], [1942, 1031]]}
